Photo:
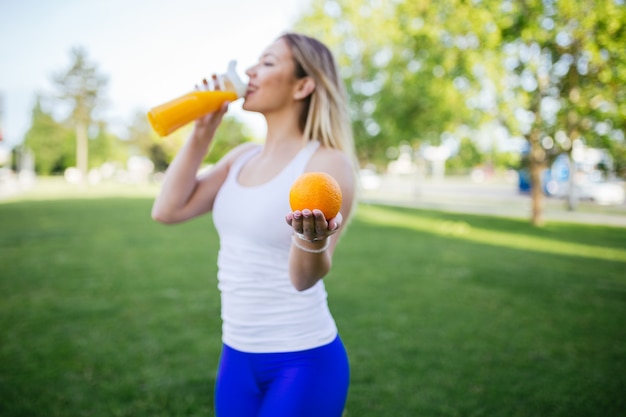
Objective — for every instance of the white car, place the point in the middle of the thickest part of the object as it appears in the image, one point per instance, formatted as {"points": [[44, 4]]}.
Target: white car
{"points": [[369, 179], [603, 192]]}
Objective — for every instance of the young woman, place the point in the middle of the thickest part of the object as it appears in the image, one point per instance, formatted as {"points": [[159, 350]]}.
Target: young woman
{"points": [[281, 355]]}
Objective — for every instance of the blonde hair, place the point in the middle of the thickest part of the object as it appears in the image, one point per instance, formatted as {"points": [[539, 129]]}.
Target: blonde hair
{"points": [[325, 116]]}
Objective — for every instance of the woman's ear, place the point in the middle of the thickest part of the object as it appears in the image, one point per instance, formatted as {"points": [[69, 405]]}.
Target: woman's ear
{"points": [[304, 88]]}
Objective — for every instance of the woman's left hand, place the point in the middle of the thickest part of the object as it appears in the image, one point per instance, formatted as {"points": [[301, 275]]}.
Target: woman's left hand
{"points": [[311, 225]]}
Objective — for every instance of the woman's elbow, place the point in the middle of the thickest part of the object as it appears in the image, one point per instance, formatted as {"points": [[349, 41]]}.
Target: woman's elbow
{"points": [[161, 216], [305, 283], [301, 286]]}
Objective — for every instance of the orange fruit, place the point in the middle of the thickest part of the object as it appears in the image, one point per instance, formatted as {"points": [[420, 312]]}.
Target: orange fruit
{"points": [[316, 190]]}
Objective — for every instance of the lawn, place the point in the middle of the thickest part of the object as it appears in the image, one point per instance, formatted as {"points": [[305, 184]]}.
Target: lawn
{"points": [[106, 313]]}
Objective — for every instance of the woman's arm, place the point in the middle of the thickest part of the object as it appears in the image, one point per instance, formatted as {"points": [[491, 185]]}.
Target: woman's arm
{"points": [[185, 194], [310, 261]]}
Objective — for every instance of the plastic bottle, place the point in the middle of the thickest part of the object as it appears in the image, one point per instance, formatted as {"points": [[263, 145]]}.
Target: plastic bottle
{"points": [[176, 113]]}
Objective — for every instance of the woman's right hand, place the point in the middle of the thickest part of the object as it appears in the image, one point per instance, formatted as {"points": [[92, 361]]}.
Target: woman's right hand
{"points": [[205, 126]]}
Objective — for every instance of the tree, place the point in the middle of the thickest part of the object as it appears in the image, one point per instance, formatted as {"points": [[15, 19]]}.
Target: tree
{"points": [[231, 133], [105, 146], [50, 141], [409, 66], [80, 87], [362, 54], [418, 70], [144, 141], [566, 68], [468, 157], [589, 59]]}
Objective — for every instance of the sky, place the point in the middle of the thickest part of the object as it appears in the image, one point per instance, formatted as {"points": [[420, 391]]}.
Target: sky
{"points": [[150, 50]]}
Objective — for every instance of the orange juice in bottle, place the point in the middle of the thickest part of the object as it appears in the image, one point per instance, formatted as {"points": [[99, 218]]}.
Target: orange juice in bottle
{"points": [[176, 113]]}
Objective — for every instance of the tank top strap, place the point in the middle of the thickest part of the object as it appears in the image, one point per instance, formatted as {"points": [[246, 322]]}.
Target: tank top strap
{"points": [[293, 169], [299, 162], [242, 160], [309, 149]]}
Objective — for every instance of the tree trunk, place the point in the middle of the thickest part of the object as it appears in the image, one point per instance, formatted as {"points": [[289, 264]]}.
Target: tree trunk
{"points": [[573, 135], [572, 192], [82, 152], [536, 160]]}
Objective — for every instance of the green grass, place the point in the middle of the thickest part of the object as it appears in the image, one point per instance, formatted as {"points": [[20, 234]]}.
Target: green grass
{"points": [[105, 313]]}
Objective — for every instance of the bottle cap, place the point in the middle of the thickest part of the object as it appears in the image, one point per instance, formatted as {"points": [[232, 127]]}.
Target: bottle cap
{"points": [[231, 80]]}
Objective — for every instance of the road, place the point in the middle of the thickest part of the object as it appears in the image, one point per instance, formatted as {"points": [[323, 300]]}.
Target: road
{"points": [[499, 197], [494, 197]]}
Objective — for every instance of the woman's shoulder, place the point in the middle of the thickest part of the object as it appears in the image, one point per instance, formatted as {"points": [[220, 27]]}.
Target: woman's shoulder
{"points": [[325, 157], [334, 162]]}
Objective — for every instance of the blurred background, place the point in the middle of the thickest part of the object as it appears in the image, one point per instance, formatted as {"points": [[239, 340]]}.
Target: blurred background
{"points": [[515, 101], [474, 122]]}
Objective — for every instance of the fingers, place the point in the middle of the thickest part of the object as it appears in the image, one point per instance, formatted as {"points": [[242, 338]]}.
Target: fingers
{"points": [[212, 120], [334, 224], [215, 84], [206, 125], [312, 225], [320, 225], [309, 221]]}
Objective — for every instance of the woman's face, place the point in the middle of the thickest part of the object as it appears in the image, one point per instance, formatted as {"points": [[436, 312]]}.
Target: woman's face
{"points": [[272, 80]]}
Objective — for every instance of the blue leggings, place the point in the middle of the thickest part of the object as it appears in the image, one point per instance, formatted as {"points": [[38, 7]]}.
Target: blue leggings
{"points": [[311, 382]]}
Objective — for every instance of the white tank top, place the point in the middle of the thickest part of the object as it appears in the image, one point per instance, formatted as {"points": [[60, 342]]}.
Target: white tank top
{"points": [[261, 310]]}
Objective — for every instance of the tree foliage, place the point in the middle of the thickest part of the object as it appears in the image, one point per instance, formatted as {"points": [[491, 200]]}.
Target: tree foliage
{"points": [[64, 124], [51, 142], [144, 141], [551, 71], [230, 134], [565, 63], [105, 146], [468, 156], [409, 66], [80, 87]]}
